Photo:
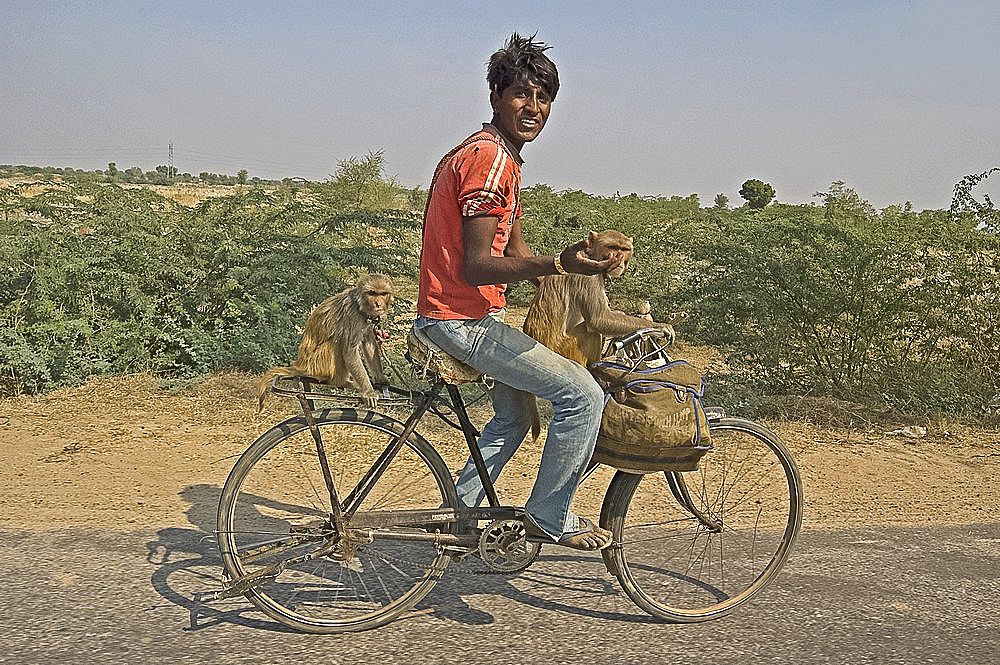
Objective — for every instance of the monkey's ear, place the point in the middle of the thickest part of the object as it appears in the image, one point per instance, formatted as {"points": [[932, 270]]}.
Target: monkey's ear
{"points": [[592, 237]]}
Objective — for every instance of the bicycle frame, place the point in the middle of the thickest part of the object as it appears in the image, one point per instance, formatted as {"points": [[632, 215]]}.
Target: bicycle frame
{"points": [[370, 525], [365, 523]]}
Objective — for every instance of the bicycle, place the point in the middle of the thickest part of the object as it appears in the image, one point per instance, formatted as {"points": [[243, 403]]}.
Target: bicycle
{"points": [[342, 519]]}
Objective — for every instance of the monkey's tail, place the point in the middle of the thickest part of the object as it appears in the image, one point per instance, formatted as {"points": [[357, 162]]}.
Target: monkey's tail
{"points": [[265, 382], [536, 423]]}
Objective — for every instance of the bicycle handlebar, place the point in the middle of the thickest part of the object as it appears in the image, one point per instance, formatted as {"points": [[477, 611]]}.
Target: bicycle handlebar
{"points": [[622, 342]]}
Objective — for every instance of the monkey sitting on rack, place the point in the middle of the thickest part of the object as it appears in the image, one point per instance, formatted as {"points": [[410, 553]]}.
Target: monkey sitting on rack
{"points": [[341, 343], [570, 314]]}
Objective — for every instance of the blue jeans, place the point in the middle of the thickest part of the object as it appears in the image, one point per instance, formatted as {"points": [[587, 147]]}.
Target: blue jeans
{"points": [[521, 367]]}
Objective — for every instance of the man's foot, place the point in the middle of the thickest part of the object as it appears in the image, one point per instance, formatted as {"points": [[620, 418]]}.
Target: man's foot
{"points": [[588, 537]]}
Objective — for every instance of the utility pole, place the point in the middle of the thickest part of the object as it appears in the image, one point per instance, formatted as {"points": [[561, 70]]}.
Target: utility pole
{"points": [[170, 160]]}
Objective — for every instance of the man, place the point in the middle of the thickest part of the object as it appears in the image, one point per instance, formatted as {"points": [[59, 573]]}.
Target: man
{"points": [[472, 248]]}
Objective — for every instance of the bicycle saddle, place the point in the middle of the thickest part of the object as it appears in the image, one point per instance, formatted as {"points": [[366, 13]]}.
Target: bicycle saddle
{"points": [[427, 358]]}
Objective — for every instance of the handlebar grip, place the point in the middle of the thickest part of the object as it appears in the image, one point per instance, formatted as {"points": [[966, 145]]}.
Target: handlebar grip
{"points": [[622, 342]]}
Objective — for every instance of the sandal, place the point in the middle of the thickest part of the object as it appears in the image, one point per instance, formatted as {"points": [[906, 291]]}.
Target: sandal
{"points": [[588, 537]]}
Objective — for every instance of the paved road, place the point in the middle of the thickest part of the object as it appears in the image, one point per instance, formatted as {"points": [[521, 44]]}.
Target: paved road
{"points": [[879, 595]]}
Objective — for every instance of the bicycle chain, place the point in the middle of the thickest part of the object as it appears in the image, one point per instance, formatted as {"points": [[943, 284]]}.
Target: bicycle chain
{"points": [[459, 565]]}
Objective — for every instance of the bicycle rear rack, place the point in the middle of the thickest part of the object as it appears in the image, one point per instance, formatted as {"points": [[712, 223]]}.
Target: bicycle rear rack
{"points": [[312, 390]]}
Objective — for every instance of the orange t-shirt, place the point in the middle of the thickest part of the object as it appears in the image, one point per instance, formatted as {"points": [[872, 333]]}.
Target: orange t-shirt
{"points": [[482, 176]]}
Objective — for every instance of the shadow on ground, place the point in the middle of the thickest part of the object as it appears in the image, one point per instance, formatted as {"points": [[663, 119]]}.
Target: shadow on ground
{"points": [[189, 574]]}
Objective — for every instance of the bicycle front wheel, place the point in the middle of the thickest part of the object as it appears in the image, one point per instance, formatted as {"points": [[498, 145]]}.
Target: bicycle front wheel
{"points": [[276, 533], [695, 545]]}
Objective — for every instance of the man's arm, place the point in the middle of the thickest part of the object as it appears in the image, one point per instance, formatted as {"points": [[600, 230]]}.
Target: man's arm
{"points": [[481, 267], [515, 244], [517, 247]]}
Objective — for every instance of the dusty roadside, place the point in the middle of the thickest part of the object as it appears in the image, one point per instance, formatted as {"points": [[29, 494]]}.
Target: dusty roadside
{"points": [[124, 453]]}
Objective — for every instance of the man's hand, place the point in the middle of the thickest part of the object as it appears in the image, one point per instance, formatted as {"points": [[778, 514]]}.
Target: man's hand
{"points": [[575, 259]]}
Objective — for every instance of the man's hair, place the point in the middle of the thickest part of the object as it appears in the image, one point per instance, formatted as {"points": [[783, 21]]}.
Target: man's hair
{"points": [[522, 59]]}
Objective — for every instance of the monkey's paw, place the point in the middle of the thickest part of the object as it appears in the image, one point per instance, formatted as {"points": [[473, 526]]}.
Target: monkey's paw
{"points": [[668, 333]]}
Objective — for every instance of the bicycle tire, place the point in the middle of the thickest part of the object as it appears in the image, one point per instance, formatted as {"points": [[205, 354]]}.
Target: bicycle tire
{"points": [[276, 497], [684, 569]]}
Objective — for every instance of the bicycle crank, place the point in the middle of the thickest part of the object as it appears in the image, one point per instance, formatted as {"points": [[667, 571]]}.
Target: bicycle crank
{"points": [[503, 547]]}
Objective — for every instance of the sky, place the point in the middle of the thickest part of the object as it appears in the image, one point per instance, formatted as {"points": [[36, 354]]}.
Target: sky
{"points": [[899, 99]]}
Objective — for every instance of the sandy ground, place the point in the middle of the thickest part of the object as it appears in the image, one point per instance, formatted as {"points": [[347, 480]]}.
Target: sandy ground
{"points": [[128, 453]]}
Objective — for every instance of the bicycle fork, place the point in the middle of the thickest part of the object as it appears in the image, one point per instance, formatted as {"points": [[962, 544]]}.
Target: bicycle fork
{"points": [[680, 491]]}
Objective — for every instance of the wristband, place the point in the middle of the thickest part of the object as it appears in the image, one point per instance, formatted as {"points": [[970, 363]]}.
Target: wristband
{"points": [[559, 268]]}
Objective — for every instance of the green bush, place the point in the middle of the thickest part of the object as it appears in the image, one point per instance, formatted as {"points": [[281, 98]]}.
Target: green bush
{"points": [[884, 307], [892, 308], [105, 280]]}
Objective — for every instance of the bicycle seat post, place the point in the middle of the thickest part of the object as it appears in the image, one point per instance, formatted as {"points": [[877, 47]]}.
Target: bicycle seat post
{"points": [[306, 390]]}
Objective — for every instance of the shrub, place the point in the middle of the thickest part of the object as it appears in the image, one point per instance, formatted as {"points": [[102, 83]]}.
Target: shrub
{"points": [[846, 301], [100, 279]]}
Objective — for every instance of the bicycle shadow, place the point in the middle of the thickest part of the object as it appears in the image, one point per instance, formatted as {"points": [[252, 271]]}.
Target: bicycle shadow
{"points": [[559, 581], [189, 571], [189, 566]]}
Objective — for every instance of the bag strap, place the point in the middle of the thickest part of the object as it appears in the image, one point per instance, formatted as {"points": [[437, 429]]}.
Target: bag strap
{"points": [[652, 385], [640, 370], [633, 378], [481, 135]]}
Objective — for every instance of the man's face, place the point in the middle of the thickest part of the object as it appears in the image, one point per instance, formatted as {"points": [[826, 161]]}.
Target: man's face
{"points": [[521, 111]]}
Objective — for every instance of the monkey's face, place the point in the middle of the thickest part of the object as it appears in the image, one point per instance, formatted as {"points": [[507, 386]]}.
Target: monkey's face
{"points": [[606, 243], [620, 270], [376, 303]]}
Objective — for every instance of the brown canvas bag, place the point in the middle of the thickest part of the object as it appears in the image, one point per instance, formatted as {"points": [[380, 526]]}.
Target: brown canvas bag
{"points": [[653, 418]]}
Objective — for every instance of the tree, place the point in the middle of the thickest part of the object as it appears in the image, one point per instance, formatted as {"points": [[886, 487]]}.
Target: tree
{"points": [[721, 201], [757, 193], [964, 204], [241, 177], [889, 307], [359, 183]]}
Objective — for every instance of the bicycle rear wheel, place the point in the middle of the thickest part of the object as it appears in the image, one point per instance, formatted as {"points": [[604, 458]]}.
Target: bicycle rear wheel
{"points": [[276, 535], [703, 560]]}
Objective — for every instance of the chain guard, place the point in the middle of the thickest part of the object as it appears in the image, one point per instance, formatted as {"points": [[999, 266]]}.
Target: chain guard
{"points": [[504, 548]]}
